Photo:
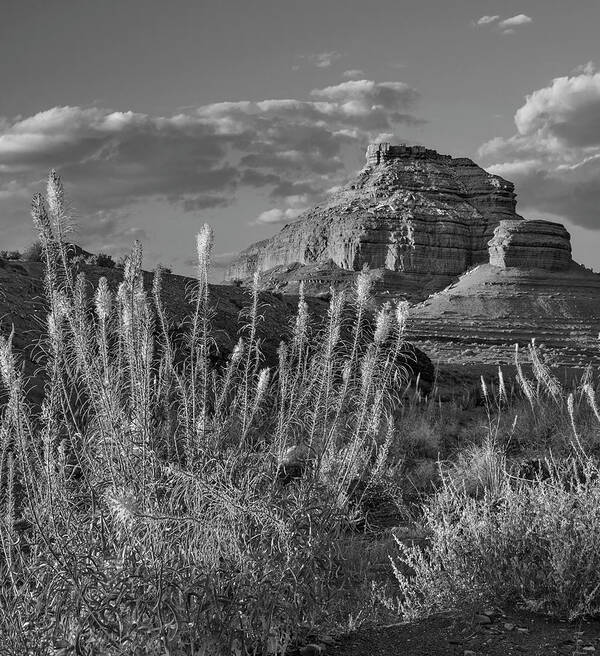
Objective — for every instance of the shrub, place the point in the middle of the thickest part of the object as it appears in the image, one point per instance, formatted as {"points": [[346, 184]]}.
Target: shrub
{"points": [[77, 260], [104, 260], [101, 259], [145, 508], [529, 534], [164, 269], [535, 542], [120, 263], [10, 255], [33, 252]]}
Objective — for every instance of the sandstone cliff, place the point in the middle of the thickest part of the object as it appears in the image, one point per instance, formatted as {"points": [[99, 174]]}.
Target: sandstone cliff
{"points": [[530, 289], [531, 244], [411, 211]]}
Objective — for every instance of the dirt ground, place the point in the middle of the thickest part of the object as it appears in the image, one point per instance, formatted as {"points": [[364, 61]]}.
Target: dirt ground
{"points": [[494, 633]]}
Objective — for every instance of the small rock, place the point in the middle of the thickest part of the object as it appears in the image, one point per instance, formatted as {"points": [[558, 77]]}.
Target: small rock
{"points": [[508, 626], [522, 629], [482, 619], [589, 648]]}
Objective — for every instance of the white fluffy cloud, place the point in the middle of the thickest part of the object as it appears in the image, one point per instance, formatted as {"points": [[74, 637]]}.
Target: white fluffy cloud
{"points": [[515, 21], [506, 25], [554, 157], [291, 148], [486, 20], [277, 215]]}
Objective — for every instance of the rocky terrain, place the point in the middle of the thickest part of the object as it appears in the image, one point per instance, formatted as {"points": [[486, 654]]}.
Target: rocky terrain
{"points": [[489, 309], [419, 217], [494, 632]]}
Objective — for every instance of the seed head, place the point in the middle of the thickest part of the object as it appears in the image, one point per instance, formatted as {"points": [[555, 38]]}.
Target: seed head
{"points": [[368, 367], [39, 214], [238, 351], [346, 371], [501, 385], [484, 388], [55, 194], [256, 283], [204, 242], [7, 360], [123, 506], [383, 324], [263, 381], [364, 283], [402, 315], [103, 299], [301, 321]]}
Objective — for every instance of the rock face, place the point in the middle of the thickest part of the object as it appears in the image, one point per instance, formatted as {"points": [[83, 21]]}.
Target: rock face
{"points": [[480, 318], [531, 244], [410, 211]]}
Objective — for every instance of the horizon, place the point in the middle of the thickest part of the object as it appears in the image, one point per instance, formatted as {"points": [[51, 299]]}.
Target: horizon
{"points": [[243, 118]]}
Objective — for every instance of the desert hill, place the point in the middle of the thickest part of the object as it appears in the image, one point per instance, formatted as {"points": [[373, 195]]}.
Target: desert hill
{"points": [[23, 306]]}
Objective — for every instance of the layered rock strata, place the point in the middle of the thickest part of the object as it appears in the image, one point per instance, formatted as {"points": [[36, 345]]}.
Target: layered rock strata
{"points": [[531, 244], [480, 318], [411, 211]]}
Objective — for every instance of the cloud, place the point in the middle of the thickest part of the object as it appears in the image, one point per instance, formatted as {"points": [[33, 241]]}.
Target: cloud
{"points": [[515, 21], [486, 20], [588, 68], [506, 25], [278, 215], [554, 157], [321, 59], [198, 158], [353, 73]]}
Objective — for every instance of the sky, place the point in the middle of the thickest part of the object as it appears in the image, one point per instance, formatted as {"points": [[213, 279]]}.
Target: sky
{"points": [[163, 115]]}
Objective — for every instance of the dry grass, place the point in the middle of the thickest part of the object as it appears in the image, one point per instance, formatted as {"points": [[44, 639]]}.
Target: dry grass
{"points": [[160, 504], [500, 532]]}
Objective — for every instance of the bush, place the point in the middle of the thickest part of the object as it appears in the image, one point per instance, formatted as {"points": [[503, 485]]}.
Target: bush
{"points": [[164, 269], [146, 508], [101, 260], [120, 263], [77, 261], [527, 534], [495, 538], [10, 255], [33, 253]]}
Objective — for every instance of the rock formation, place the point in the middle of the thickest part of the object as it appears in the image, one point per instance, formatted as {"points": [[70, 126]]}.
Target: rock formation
{"points": [[422, 217], [531, 244], [480, 318], [443, 233], [530, 289]]}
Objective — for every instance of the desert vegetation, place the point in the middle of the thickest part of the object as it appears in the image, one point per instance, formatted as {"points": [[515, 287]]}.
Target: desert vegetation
{"points": [[164, 501]]}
